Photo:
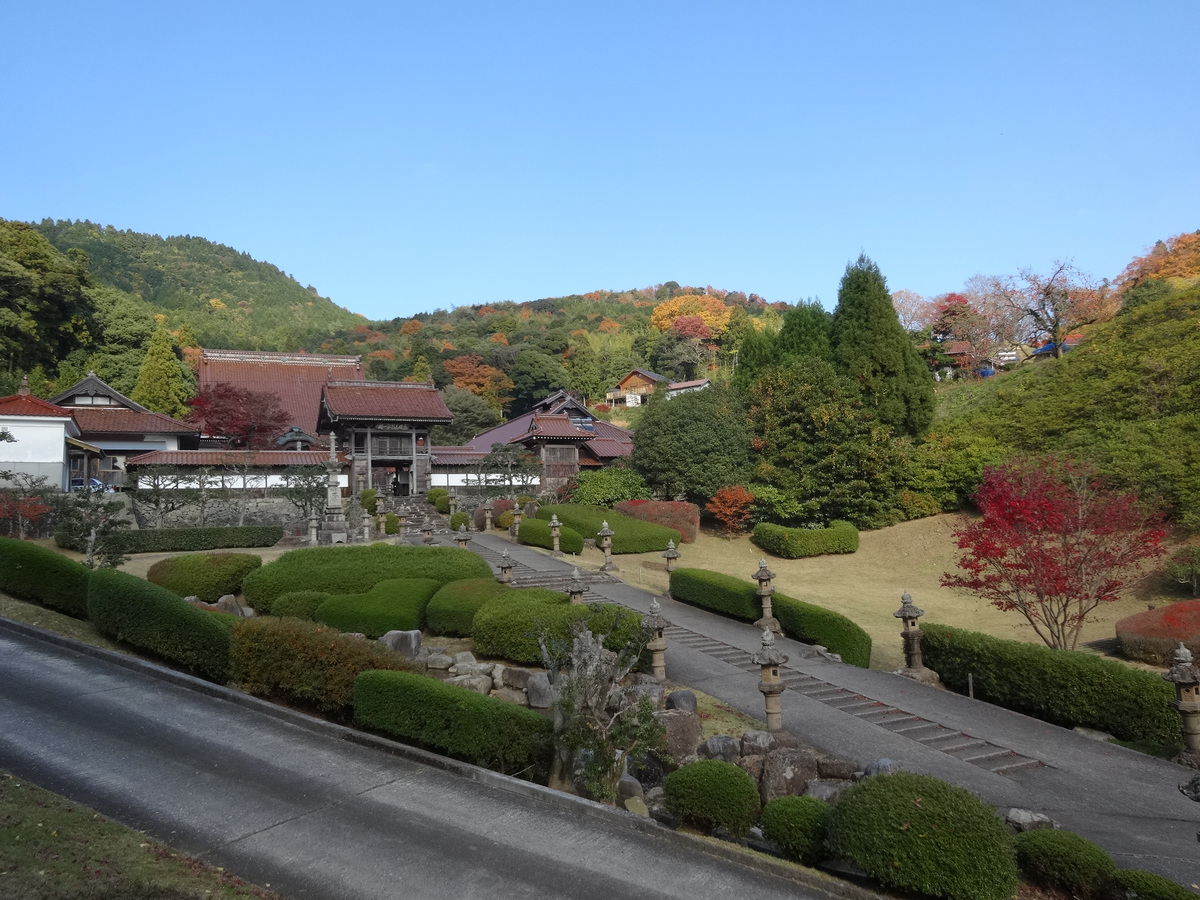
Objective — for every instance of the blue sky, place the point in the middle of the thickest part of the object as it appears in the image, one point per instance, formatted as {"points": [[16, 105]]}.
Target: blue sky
{"points": [[404, 157]]}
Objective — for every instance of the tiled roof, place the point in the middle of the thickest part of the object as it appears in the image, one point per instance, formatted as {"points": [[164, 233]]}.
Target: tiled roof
{"points": [[296, 378], [555, 427], [29, 405], [606, 449], [956, 348], [95, 420], [645, 373], [264, 458], [684, 385], [407, 401], [456, 456], [93, 385]]}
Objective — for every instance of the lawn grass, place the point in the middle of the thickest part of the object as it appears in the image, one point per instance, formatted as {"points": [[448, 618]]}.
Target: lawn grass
{"points": [[52, 849]]}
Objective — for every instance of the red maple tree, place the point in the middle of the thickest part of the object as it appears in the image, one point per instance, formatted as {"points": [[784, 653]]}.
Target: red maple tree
{"points": [[731, 507], [241, 417], [1053, 544]]}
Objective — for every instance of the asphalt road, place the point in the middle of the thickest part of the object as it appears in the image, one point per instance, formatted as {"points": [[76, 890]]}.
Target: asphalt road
{"points": [[293, 806]]}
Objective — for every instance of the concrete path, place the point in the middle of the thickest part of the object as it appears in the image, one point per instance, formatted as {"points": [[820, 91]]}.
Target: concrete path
{"points": [[1127, 802]]}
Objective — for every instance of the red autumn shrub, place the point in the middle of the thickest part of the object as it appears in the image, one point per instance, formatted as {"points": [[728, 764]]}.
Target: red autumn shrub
{"points": [[1152, 636], [499, 507], [731, 507], [683, 517]]}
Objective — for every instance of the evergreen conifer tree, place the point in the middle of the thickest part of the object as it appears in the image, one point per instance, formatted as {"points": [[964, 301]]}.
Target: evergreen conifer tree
{"points": [[805, 332], [162, 385], [871, 347]]}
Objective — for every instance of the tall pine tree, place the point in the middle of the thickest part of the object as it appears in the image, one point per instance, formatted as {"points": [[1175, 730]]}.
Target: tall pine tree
{"points": [[871, 347], [162, 385]]}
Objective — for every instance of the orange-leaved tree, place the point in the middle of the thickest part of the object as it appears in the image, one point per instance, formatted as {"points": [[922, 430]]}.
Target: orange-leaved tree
{"points": [[731, 507]]}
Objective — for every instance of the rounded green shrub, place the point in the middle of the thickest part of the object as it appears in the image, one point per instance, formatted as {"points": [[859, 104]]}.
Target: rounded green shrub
{"points": [[31, 572], [396, 604], [536, 533], [206, 576], [436, 493], [459, 520], [452, 609], [920, 834], [712, 793], [1062, 860], [391, 524], [504, 521], [796, 825], [629, 535], [369, 500], [299, 604], [1149, 886], [798, 543], [508, 627]]}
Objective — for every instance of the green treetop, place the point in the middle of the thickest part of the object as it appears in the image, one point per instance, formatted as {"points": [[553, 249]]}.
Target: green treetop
{"points": [[162, 385]]}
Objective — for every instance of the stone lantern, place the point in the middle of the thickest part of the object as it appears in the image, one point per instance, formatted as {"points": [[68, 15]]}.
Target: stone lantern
{"points": [[914, 668], [518, 514], [506, 567], [764, 577], [453, 498], [1186, 678], [576, 587], [402, 516], [555, 533], [487, 515], [771, 686], [461, 537], [606, 535], [671, 555], [657, 645], [427, 533]]}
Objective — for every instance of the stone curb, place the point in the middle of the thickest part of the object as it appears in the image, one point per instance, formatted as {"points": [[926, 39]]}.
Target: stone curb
{"points": [[579, 805]]}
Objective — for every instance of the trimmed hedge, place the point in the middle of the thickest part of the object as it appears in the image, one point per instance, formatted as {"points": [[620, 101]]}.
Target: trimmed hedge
{"points": [[1152, 636], [712, 793], [31, 572], [459, 519], [508, 626], [303, 662], [1064, 687], [144, 615], [796, 825], [356, 569], [299, 604], [797, 543], [920, 834], [175, 540], [1149, 886], [449, 719], [802, 621], [206, 576], [1064, 861], [677, 514], [452, 609], [536, 533], [395, 604], [629, 535]]}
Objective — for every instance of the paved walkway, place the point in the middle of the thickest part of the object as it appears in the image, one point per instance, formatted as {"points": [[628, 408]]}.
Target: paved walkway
{"points": [[1127, 802]]}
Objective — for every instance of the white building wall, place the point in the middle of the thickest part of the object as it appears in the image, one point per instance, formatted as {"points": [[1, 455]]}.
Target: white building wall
{"points": [[39, 448]]}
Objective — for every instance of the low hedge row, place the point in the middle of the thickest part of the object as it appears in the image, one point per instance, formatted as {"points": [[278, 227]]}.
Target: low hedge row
{"points": [[131, 609], [508, 627], [30, 572], [356, 569], [536, 533], [1153, 636], [677, 514], [797, 543], [299, 604], [449, 719], [303, 662], [629, 535], [1064, 687], [394, 604], [452, 609], [175, 540], [805, 622], [206, 576]]}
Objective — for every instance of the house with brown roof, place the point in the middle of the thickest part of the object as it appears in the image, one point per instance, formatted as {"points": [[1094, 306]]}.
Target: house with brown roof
{"points": [[635, 388], [43, 440]]}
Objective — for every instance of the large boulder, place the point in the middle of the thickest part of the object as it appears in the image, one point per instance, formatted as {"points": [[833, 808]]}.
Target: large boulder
{"points": [[787, 772], [539, 691], [721, 747], [683, 733], [406, 643]]}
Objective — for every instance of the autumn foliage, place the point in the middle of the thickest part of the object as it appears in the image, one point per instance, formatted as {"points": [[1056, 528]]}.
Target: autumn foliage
{"points": [[1053, 544], [731, 507], [1153, 635], [712, 312], [683, 517], [243, 418]]}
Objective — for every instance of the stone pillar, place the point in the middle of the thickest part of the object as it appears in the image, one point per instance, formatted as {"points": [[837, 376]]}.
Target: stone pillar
{"points": [[606, 535], [771, 685], [657, 645], [312, 530], [453, 504], [765, 592], [671, 555], [506, 567], [914, 668], [487, 515], [514, 530], [576, 588], [402, 516], [461, 537], [1186, 678], [555, 533]]}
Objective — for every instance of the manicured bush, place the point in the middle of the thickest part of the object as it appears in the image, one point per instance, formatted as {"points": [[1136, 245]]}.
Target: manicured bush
{"points": [[711, 793], [303, 662], [805, 622], [1152, 636], [449, 719], [356, 569], [299, 604], [391, 524], [31, 572], [151, 618], [605, 487], [1149, 886], [369, 500], [536, 533], [1062, 860], [499, 508], [459, 520], [434, 494], [441, 504], [394, 604], [682, 517], [796, 825], [1064, 687], [206, 576], [797, 543], [920, 834], [508, 626], [452, 609], [179, 540], [504, 521], [629, 535]]}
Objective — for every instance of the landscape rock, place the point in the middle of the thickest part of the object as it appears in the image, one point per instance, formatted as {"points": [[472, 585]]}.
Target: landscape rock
{"points": [[510, 695], [1019, 820], [655, 795], [477, 669], [637, 806], [192, 599], [516, 678], [827, 790], [406, 643], [1191, 788], [539, 691], [648, 770], [498, 674], [464, 658], [652, 692], [628, 787], [683, 733], [836, 767], [684, 700], [438, 661], [753, 765], [480, 684], [720, 747], [1093, 734], [228, 603], [757, 743], [883, 766], [787, 772]]}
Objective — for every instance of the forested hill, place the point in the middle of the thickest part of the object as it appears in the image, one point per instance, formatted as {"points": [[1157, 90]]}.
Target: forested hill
{"points": [[223, 297]]}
